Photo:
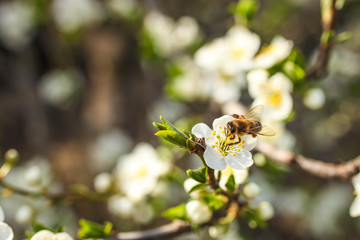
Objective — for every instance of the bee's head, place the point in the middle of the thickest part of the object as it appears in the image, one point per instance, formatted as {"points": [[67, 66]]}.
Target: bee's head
{"points": [[230, 129]]}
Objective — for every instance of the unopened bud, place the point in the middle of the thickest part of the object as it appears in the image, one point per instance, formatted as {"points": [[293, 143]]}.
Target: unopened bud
{"points": [[251, 190]]}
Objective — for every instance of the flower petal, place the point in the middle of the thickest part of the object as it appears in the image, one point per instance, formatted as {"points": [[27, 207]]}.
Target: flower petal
{"points": [[250, 142], [354, 210], [43, 234], [63, 236], [241, 161], [201, 130], [2, 216], [222, 121], [214, 159], [6, 232]]}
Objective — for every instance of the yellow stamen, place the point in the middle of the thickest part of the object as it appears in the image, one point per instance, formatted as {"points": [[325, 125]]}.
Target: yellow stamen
{"points": [[207, 138], [234, 154], [242, 146], [223, 154], [213, 146], [238, 149], [213, 133], [355, 192], [242, 141], [223, 131], [220, 127]]}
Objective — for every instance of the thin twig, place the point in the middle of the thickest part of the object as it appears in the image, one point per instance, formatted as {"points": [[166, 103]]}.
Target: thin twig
{"points": [[312, 166], [328, 20]]}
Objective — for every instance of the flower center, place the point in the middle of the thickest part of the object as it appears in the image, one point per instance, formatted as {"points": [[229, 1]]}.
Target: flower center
{"points": [[274, 99], [226, 146]]}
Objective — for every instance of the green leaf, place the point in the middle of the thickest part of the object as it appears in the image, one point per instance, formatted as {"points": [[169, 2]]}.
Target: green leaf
{"points": [[159, 126], [294, 71], [230, 184], [245, 9], [197, 187], [39, 226], [170, 126], [94, 230], [176, 213], [198, 175], [173, 137], [215, 202]]}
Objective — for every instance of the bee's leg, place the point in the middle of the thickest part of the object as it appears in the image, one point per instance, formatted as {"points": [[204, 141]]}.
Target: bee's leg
{"points": [[235, 115], [254, 135]]}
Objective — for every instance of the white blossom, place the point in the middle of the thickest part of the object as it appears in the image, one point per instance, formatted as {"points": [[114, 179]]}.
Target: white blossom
{"points": [[251, 190], [240, 176], [169, 36], [314, 98], [6, 232], [16, 23], [189, 184], [24, 214], [265, 210], [123, 8], [102, 182], [72, 15], [277, 51], [46, 234], [198, 212], [271, 91], [220, 151], [355, 206], [138, 172], [59, 87], [32, 176], [120, 206]]}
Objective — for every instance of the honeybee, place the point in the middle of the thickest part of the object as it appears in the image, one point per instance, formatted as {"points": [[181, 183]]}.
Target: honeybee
{"points": [[247, 124]]}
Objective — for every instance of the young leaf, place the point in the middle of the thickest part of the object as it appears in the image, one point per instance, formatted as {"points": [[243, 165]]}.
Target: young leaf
{"points": [[198, 175], [94, 230], [176, 213], [173, 137], [230, 184], [159, 126], [214, 202], [170, 126], [197, 187]]}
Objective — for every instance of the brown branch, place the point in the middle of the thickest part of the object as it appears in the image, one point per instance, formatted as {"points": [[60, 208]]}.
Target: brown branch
{"points": [[312, 166], [164, 232], [328, 20]]}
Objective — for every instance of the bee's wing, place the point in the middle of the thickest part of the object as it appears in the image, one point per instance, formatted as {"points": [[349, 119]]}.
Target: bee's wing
{"points": [[267, 131], [255, 112], [264, 130]]}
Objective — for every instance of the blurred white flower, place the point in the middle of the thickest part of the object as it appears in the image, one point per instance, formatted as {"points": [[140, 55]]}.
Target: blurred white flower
{"points": [[123, 8], [72, 15], [24, 214], [108, 148], [143, 213], [354, 210], [272, 92], [283, 138], [186, 85], [16, 23], [46, 234], [240, 176], [314, 98], [120, 206], [198, 212], [265, 210], [6, 232], [251, 190], [224, 61], [60, 87], [138, 172], [277, 51], [32, 176], [168, 36], [189, 184], [259, 159], [218, 153], [102, 182], [230, 54]]}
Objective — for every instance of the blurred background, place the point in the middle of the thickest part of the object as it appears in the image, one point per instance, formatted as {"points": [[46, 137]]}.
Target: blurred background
{"points": [[82, 81]]}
